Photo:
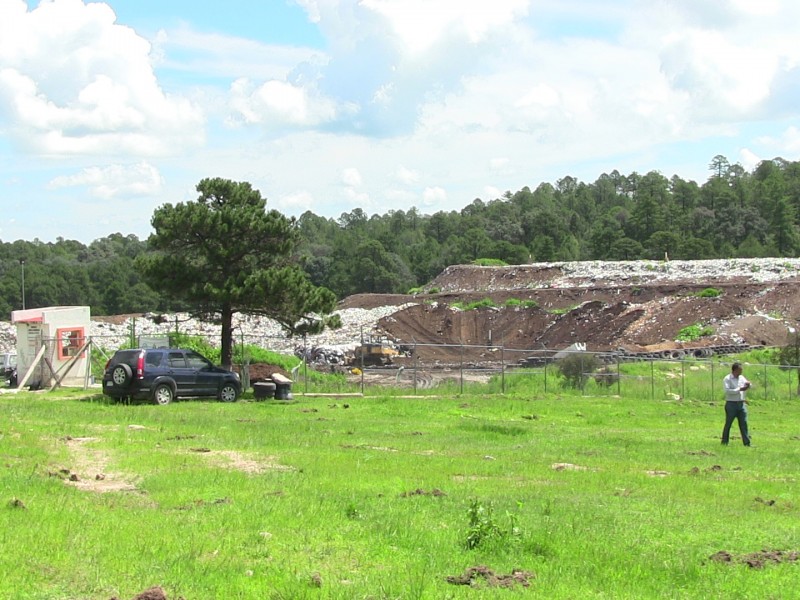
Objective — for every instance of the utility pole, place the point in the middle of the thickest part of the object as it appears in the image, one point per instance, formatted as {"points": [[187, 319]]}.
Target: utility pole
{"points": [[22, 266]]}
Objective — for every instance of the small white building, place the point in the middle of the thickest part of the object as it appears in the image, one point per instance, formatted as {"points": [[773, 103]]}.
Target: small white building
{"points": [[53, 341]]}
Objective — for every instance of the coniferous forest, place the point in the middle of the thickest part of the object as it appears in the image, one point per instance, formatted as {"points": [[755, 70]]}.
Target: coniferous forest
{"points": [[734, 213]]}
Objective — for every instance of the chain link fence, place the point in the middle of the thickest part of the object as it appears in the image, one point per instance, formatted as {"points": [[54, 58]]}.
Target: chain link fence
{"points": [[436, 369]]}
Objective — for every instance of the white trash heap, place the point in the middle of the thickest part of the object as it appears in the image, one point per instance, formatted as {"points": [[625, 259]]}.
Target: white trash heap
{"points": [[266, 333], [258, 331]]}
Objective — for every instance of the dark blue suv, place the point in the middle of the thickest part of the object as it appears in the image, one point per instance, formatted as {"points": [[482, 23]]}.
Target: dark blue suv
{"points": [[164, 374]]}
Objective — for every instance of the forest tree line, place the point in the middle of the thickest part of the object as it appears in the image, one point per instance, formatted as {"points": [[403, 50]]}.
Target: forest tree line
{"points": [[735, 213]]}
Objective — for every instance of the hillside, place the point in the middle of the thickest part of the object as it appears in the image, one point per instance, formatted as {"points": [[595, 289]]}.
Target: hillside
{"points": [[637, 306]]}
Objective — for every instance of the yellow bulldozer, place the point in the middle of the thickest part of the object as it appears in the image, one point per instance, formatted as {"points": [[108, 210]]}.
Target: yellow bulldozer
{"points": [[375, 350]]}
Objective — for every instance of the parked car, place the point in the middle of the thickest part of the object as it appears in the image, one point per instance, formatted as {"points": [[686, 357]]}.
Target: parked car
{"points": [[164, 374], [8, 364]]}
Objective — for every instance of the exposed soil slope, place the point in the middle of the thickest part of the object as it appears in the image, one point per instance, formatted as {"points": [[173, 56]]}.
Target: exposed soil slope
{"points": [[637, 306]]}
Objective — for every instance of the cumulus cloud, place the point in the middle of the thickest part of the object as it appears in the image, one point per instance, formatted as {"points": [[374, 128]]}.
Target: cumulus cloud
{"points": [[351, 177], [186, 50], [72, 81], [407, 176], [114, 181], [787, 143], [433, 196], [421, 24], [748, 159], [408, 101], [298, 202], [279, 103]]}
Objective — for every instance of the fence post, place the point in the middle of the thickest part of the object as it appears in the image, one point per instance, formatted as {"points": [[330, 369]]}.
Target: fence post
{"points": [[545, 375], [416, 362], [713, 393], [652, 379], [305, 364], [502, 370], [461, 368], [683, 378], [619, 376], [583, 376], [765, 381]]}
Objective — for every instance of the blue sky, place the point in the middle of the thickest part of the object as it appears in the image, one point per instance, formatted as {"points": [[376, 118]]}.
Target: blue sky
{"points": [[111, 109]]}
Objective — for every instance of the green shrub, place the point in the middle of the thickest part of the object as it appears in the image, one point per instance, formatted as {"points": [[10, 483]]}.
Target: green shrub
{"points": [[485, 303], [576, 368], [606, 377], [483, 527], [694, 332], [708, 293], [196, 343], [516, 302], [489, 262], [564, 310]]}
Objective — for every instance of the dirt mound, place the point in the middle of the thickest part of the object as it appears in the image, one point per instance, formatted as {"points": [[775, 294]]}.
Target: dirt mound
{"points": [[264, 371], [632, 306]]}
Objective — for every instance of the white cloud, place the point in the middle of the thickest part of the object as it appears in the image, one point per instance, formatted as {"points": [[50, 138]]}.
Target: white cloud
{"points": [[357, 198], [787, 143], [748, 159], [433, 196], [407, 176], [410, 102], [72, 81], [351, 177], [499, 164], [492, 192], [114, 181], [187, 50], [420, 24], [279, 103], [298, 202], [722, 76]]}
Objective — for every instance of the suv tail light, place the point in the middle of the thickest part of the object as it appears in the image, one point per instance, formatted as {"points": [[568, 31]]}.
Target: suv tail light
{"points": [[140, 366]]}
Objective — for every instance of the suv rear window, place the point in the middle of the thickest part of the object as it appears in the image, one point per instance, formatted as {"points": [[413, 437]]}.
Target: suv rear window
{"points": [[153, 359], [128, 357]]}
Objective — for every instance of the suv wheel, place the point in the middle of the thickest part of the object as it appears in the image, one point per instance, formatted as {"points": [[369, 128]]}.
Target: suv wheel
{"points": [[163, 394], [121, 375], [228, 393]]}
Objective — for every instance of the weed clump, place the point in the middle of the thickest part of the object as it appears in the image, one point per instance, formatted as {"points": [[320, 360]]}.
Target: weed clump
{"points": [[694, 332], [483, 526], [576, 368], [517, 303]]}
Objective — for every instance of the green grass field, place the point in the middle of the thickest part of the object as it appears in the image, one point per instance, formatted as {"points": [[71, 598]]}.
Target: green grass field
{"points": [[396, 497]]}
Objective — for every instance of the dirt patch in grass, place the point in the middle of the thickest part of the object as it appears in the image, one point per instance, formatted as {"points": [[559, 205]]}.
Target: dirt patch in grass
{"points": [[657, 473], [420, 492], [230, 459], [757, 560], [481, 575], [153, 593], [90, 469], [567, 467]]}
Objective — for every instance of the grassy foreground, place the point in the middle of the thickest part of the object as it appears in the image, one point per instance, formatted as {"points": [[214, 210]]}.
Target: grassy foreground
{"points": [[579, 497]]}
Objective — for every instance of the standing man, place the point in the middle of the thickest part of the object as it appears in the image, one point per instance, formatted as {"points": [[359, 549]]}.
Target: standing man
{"points": [[735, 386]]}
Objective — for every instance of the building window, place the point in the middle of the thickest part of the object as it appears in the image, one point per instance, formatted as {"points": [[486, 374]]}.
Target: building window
{"points": [[69, 341]]}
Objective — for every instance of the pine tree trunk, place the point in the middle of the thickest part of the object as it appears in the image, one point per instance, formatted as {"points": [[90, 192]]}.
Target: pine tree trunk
{"points": [[227, 337]]}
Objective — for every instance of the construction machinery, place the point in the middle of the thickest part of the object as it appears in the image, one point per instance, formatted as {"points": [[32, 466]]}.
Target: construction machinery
{"points": [[374, 351]]}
